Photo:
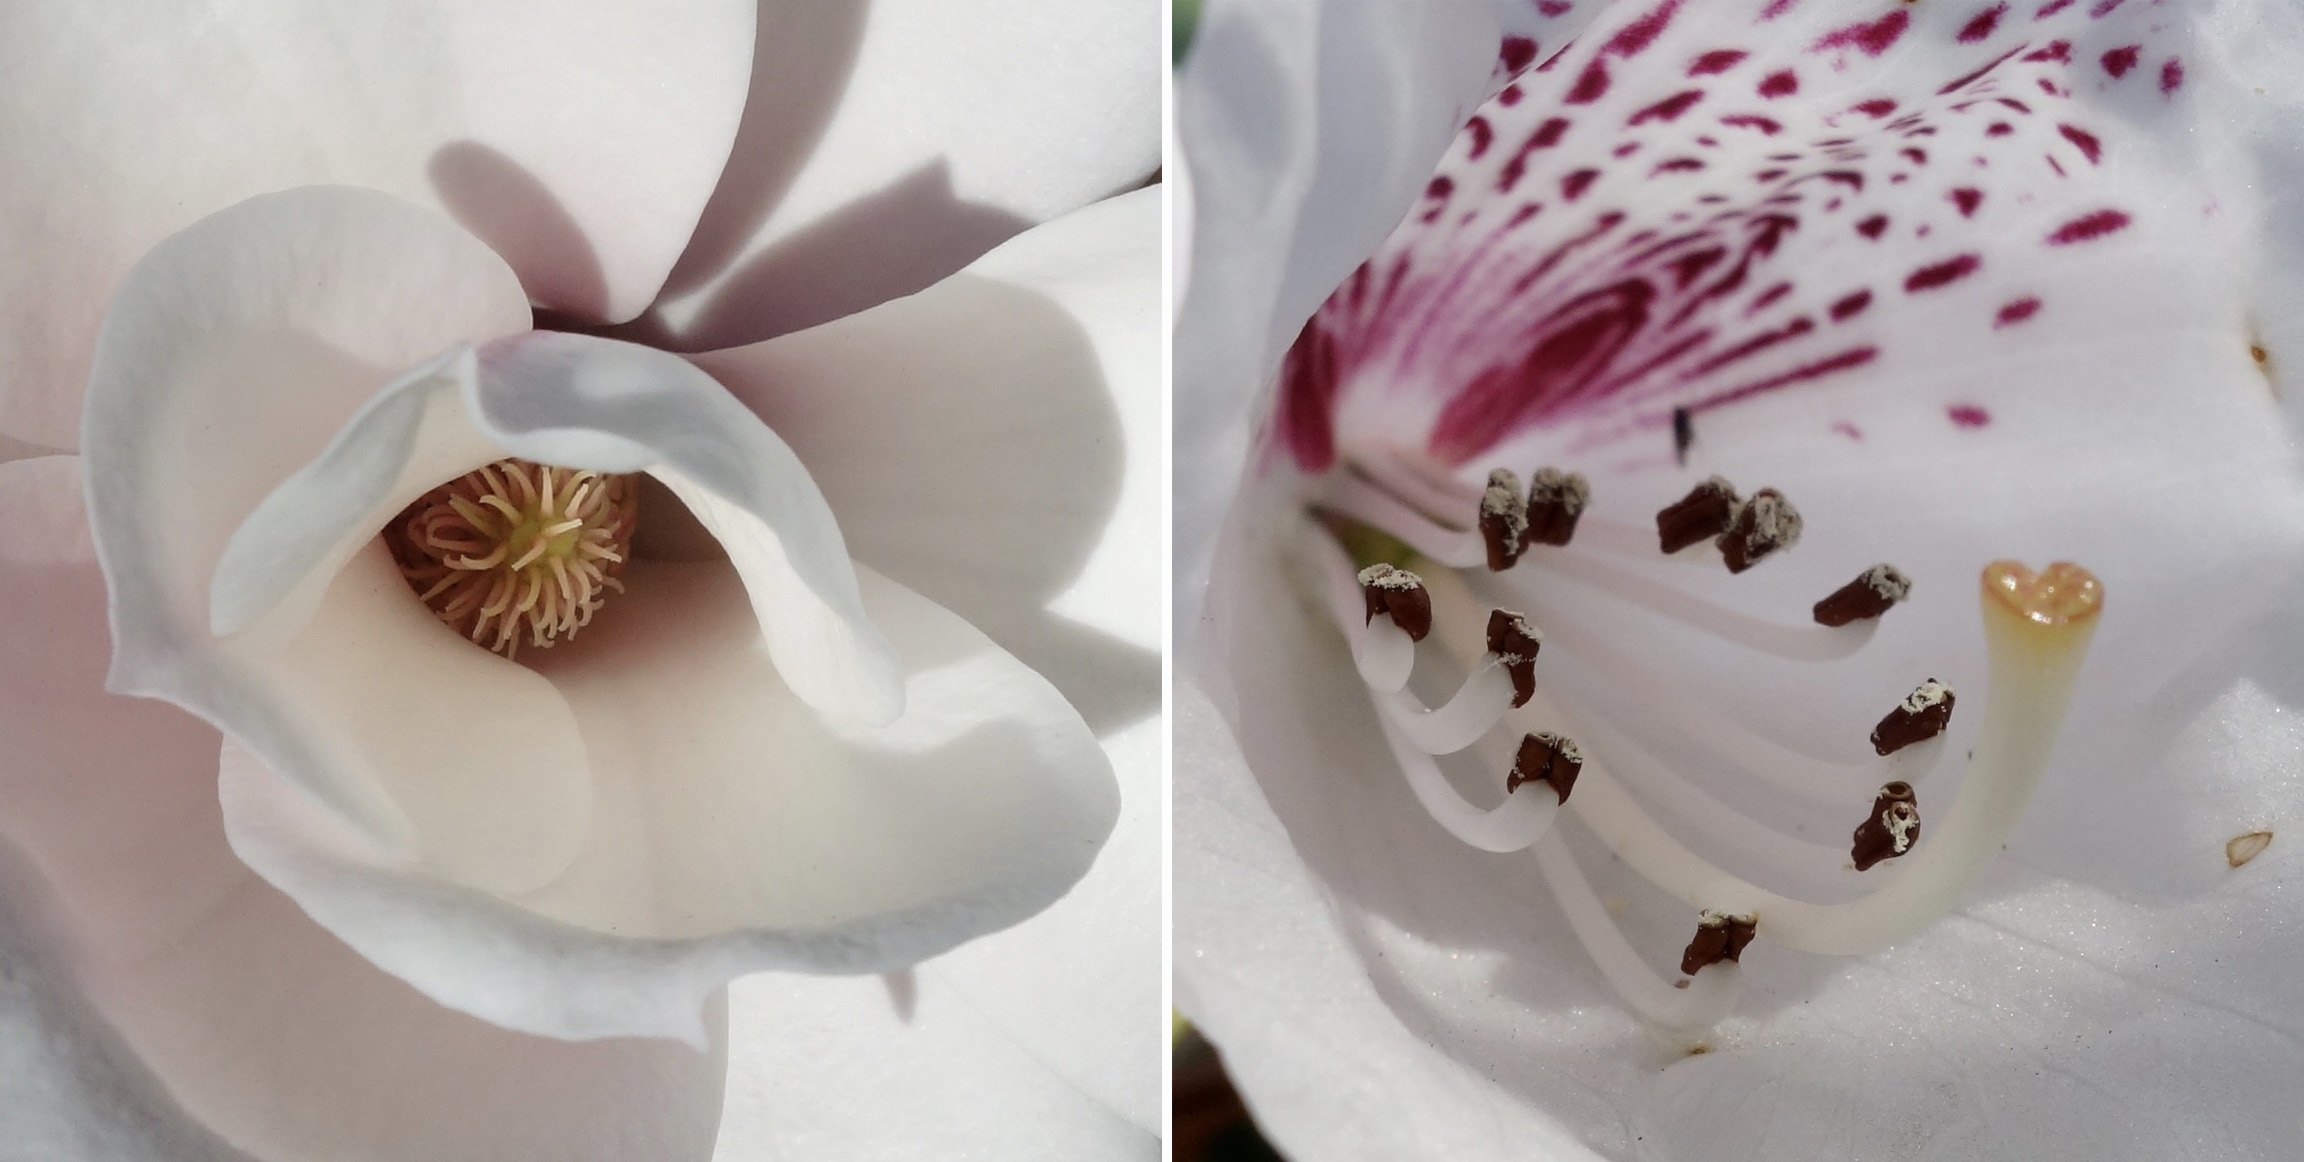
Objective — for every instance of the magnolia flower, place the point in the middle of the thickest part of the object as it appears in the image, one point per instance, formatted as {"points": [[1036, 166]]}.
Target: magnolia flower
{"points": [[747, 715], [1926, 287]]}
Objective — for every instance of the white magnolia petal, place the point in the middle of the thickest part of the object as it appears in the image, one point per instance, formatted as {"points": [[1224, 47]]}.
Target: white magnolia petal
{"points": [[585, 402], [886, 146], [911, 416], [580, 140], [1311, 128], [1029, 1043], [211, 1007], [190, 424], [766, 842]]}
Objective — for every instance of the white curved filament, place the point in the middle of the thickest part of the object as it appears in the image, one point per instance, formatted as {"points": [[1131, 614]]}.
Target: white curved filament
{"points": [[1521, 819], [1707, 1000]]}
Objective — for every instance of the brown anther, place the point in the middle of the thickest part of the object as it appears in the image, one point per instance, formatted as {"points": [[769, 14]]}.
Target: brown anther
{"points": [[1869, 595], [1399, 594], [1890, 829], [1555, 500], [1515, 642], [1923, 715], [1548, 758], [1766, 524], [1718, 937], [1503, 519], [1706, 512]]}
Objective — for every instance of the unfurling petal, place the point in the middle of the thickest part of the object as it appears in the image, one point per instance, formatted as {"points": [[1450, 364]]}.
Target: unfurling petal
{"points": [[210, 1009], [731, 769], [885, 146], [580, 140]]}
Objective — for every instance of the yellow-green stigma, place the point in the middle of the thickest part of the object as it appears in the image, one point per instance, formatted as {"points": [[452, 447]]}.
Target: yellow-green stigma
{"points": [[517, 548]]}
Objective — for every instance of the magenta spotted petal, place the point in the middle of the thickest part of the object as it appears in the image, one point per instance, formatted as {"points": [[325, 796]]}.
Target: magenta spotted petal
{"points": [[1927, 287]]}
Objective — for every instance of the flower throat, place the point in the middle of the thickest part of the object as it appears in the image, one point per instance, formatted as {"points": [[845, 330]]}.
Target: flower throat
{"points": [[517, 549]]}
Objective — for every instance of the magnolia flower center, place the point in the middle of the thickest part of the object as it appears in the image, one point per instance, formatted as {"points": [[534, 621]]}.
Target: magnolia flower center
{"points": [[517, 549]]}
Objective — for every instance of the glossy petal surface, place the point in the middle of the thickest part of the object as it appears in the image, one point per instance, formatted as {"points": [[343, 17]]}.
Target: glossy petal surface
{"points": [[580, 141]]}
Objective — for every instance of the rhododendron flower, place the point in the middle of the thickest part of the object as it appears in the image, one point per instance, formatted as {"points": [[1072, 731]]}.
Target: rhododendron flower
{"points": [[553, 681], [1652, 427]]}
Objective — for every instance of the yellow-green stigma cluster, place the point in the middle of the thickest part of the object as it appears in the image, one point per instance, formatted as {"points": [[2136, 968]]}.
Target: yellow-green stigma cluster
{"points": [[517, 549]]}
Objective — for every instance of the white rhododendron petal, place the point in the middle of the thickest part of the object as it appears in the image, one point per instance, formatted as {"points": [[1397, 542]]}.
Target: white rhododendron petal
{"points": [[581, 141], [733, 831], [224, 1006], [1964, 283], [887, 145]]}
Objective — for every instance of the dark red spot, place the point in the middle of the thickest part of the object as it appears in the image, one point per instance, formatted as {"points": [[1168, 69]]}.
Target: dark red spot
{"points": [[1716, 62], [1915, 155], [2088, 227], [1625, 150], [1591, 85], [1752, 346], [2089, 146], [2049, 87], [1634, 38], [2015, 104], [1553, 7], [1481, 134], [1668, 109], [1853, 357], [1688, 268], [1765, 125], [1781, 83], [1523, 214], [2171, 75], [1947, 271], [1546, 136], [1359, 293], [2057, 166], [1573, 186], [1771, 295], [1308, 398], [2059, 51], [1871, 39], [2016, 312], [1677, 165], [1847, 177], [1776, 8], [1510, 95], [1998, 129], [1981, 25], [1570, 349], [1875, 108], [1968, 415], [1767, 175], [1517, 53], [1965, 79], [2118, 61], [1967, 199], [1851, 306], [2051, 8], [1872, 226], [1438, 190], [2102, 9]]}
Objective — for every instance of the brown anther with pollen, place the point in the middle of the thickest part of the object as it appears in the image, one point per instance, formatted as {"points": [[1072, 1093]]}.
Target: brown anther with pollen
{"points": [[1923, 715], [1399, 594], [1767, 523], [1718, 937], [1869, 595], [1890, 829], [1706, 512], [1548, 758], [1515, 642], [1556, 500], [1503, 519]]}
